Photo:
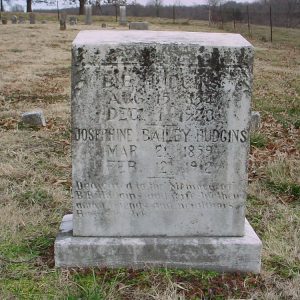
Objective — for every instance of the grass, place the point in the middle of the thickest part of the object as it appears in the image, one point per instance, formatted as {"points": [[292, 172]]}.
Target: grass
{"points": [[35, 173], [258, 140]]}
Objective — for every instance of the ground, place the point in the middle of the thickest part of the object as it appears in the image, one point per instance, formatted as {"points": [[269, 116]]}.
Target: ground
{"points": [[35, 173]]}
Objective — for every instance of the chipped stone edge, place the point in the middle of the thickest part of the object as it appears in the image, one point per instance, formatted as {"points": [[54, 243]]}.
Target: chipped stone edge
{"points": [[225, 254]]}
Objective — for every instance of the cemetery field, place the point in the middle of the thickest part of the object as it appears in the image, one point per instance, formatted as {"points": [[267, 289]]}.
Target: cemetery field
{"points": [[35, 173]]}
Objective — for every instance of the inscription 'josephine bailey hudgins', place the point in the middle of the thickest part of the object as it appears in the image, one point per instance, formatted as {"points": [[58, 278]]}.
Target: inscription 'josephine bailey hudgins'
{"points": [[160, 130]]}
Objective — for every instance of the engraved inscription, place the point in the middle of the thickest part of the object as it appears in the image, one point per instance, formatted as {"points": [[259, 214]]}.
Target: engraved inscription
{"points": [[160, 137]]}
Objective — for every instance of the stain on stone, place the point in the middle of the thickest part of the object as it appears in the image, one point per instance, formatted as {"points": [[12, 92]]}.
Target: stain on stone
{"points": [[147, 56], [80, 52], [216, 61], [201, 49], [111, 56], [146, 59], [241, 57]]}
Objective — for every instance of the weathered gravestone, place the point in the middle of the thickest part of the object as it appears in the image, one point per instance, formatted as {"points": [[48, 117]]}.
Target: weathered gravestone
{"points": [[138, 26], [63, 21], [34, 118], [14, 19], [32, 18], [123, 18], [73, 20], [160, 126], [21, 20], [255, 122], [88, 14], [4, 21]]}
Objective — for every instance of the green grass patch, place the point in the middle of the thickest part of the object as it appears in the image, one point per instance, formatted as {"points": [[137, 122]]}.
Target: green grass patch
{"points": [[258, 140], [15, 50], [292, 189], [282, 267], [35, 197], [282, 178]]}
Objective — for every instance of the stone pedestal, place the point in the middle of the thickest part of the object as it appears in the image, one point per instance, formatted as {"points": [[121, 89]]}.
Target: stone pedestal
{"points": [[226, 254], [138, 26]]}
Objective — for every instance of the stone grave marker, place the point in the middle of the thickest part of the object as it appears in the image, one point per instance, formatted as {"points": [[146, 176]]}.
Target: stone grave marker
{"points": [[4, 21], [32, 18], [73, 20], [88, 14], [14, 19], [255, 122], [63, 21], [160, 139], [21, 20], [123, 18], [34, 118], [138, 26]]}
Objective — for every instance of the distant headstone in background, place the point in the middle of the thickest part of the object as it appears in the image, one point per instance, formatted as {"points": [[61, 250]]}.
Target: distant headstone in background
{"points": [[73, 20], [123, 19], [32, 18], [138, 26], [4, 21], [103, 25], [44, 22], [88, 14], [14, 19], [255, 121], [21, 20], [62, 21], [35, 118]]}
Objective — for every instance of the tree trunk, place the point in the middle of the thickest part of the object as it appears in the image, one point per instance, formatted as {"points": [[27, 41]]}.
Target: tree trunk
{"points": [[174, 13], [1, 6], [81, 7], [28, 8], [271, 23]]}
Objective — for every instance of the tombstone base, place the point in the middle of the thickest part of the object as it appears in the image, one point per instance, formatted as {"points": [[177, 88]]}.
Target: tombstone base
{"points": [[225, 254]]}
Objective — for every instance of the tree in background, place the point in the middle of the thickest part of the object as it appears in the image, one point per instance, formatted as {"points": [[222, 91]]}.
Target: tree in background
{"points": [[28, 6], [157, 4], [212, 10], [176, 3], [116, 4]]}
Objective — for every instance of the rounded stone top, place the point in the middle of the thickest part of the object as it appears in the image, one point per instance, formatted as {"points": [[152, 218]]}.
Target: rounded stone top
{"points": [[208, 39]]}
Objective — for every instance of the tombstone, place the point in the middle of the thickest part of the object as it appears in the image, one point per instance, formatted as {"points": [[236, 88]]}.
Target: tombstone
{"points": [[103, 25], [160, 139], [255, 121], [44, 22], [73, 20], [138, 26], [32, 18], [63, 21], [123, 19], [21, 20], [4, 21], [88, 14], [34, 118], [14, 19]]}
